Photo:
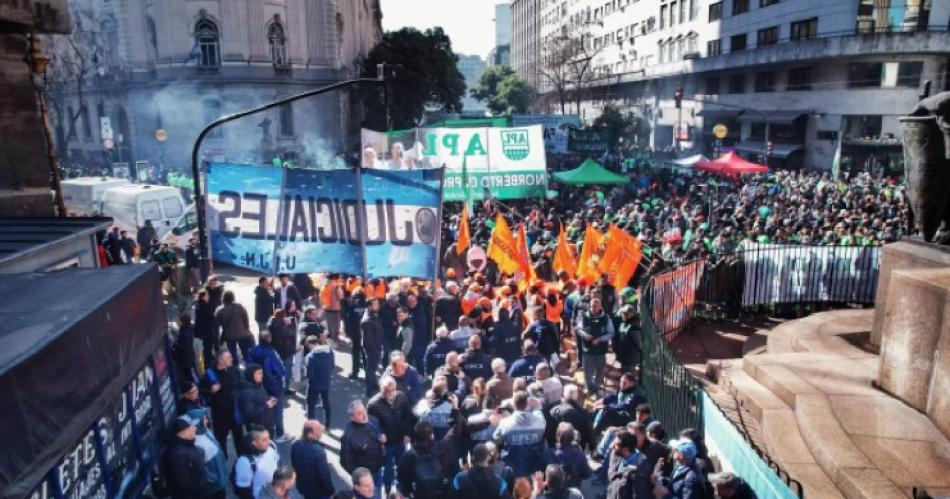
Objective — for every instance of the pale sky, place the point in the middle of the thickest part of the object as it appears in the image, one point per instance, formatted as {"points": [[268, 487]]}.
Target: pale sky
{"points": [[469, 23]]}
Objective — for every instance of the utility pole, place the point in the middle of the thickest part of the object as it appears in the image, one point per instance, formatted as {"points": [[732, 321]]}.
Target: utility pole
{"points": [[678, 98]]}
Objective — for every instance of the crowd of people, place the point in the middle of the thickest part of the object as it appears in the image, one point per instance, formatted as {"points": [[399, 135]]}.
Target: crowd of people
{"points": [[479, 383]]}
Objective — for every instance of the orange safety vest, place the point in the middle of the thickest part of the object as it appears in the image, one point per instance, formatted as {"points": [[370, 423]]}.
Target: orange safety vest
{"points": [[553, 312]]}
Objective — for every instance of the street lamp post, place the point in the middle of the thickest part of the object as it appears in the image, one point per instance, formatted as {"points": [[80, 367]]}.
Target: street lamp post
{"points": [[196, 172]]}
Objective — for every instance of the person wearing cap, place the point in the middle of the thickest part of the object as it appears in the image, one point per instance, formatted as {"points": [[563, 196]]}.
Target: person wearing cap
{"points": [[183, 462], [309, 459], [596, 329], [320, 362], [626, 343], [437, 350], [686, 481], [216, 463], [727, 485], [190, 397]]}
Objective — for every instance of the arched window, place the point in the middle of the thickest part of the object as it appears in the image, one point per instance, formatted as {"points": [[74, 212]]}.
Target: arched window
{"points": [[278, 45], [206, 39]]}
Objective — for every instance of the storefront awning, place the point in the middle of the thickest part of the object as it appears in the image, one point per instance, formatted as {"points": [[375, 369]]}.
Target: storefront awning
{"points": [[778, 150], [780, 117], [720, 113]]}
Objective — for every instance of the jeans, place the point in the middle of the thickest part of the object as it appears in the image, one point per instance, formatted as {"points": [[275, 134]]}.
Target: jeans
{"points": [[288, 369], [312, 396], [378, 481], [372, 360], [279, 415], [394, 453], [246, 344], [594, 365]]}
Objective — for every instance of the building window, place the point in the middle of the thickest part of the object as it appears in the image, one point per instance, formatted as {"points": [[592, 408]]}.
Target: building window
{"points": [[767, 36], [212, 111], [737, 43], [765, 81], [682, 11], [805, 30], [286, 121], [663, 9], [908, 74], [862, 126], [278, 46], [84, 118], [206, 39], [693, 9], [713, 47], [737, 83], [865, 74], [766, 3], [152, 33], [740, 7], [712, 85], [691, 44], [662, 52], [799, 79], [715, 11]]}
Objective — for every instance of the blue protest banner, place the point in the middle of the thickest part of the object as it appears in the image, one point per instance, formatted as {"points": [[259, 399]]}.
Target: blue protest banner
{"points": [[296, 220]]}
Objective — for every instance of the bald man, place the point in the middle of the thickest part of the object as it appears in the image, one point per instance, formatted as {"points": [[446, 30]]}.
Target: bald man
{"points": [[309, 459]]}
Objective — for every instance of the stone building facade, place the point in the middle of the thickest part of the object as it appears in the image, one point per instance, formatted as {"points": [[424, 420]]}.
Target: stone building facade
{"points": [[156, 71], [815, 70]]}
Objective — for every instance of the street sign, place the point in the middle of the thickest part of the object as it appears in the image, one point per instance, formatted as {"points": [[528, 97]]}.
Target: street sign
{"points": [[720, 131], [108, 143], [105, 129], [161, 135], [477, 259]]}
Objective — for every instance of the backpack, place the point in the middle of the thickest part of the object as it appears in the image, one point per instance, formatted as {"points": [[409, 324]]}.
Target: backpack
{"points": [[233, 476], [429, 480]]}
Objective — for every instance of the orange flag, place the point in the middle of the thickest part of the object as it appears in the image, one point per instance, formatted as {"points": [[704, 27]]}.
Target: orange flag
{"points": [[465, 238], [563, 256], [502, 247], [525, 255], [590, 254], [621, 257]]}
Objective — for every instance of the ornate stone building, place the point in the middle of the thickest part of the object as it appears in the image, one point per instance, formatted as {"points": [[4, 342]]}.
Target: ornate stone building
{"points": [[156, 71]]}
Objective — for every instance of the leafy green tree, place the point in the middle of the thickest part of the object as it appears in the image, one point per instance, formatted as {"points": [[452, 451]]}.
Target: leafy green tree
{"points": [[420, 72], [617, 124], [503, 91]]}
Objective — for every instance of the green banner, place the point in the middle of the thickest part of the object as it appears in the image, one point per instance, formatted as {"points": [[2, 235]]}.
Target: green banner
{"points": [[507, 184]]}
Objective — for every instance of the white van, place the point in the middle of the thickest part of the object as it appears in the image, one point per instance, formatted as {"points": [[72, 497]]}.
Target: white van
{"points": [[83, 195], [183, 230], [131, 205]]}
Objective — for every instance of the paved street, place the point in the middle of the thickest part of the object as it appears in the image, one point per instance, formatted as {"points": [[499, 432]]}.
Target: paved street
{"points": [[242, 283]]}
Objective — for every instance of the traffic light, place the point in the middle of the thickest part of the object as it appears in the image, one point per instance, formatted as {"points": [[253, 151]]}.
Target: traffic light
{"points": [[678, 97]]}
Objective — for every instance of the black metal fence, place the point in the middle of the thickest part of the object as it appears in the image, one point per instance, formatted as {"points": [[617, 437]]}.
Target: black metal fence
{"points": [[756, 278]]}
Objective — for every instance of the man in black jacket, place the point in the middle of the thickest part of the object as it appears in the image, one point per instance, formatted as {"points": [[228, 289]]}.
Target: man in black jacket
{"points": [[394, 413], [309, 460], [264, 303], [481, 481], [571, 410], [387, 318], [184, 463], [372, 331], [475, 362], [220, 385], [448, 308], [362, 443], [421, 474]]}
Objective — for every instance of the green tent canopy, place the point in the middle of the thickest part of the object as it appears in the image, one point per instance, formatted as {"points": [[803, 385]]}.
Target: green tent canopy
{"points": [[590, 173]]}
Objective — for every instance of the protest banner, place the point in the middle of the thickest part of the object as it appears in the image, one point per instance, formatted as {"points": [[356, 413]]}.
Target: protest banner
{"points": [[586, 141], [383, 223], [508, 162], [674, 296]]}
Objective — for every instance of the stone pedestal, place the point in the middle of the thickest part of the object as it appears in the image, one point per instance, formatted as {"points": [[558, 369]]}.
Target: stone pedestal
{"points": [[903, 255], [915, 342]]}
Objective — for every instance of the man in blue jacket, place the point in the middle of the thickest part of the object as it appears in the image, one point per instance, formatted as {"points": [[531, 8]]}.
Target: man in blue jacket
{"points": [[505, 340], [525, 366], [437, 350], [309, 460], [521, 436], [320, 363], [265, 356]]}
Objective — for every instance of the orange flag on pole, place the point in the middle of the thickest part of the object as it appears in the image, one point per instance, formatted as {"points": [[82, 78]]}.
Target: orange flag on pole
{"points": [[621, 257], [563, 256], [502, 247], [590, 254], [525, 255], [465, 238]]}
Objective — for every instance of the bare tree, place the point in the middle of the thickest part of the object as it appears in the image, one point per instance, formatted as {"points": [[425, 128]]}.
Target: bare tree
{"points": [[77, 59], [567, 64]]}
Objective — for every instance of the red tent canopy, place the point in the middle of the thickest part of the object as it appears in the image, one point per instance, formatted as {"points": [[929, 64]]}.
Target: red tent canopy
{"points": [[731, 165]]}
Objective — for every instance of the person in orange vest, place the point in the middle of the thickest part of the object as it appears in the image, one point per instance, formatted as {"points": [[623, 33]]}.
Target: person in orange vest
{"points": [[470, 300], [332, 296]]}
